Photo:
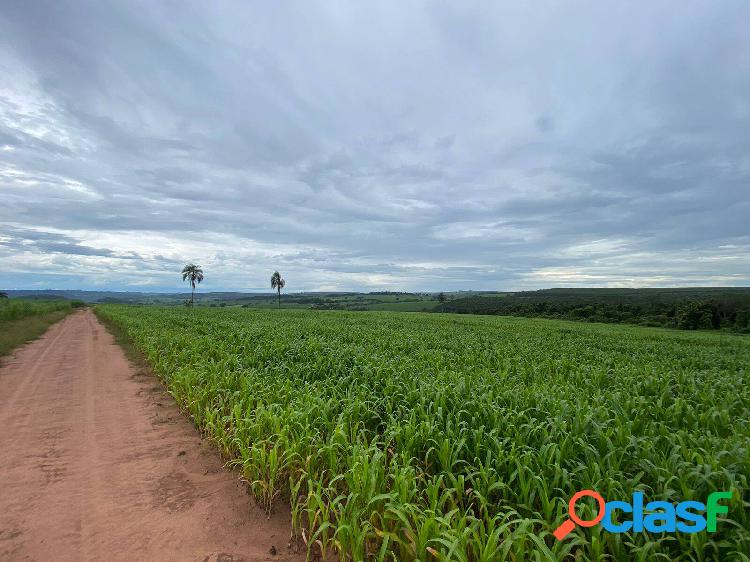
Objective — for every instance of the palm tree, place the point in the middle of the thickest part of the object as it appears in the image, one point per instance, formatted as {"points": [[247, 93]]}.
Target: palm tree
{"points": [[277, 283], [194, 273]]}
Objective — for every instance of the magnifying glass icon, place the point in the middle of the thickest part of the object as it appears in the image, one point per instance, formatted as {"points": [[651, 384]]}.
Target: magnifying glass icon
{"points": [[569, 524]]}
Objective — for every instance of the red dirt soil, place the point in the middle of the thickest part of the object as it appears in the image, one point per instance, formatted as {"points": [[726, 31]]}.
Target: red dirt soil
{"points": [[97, 463]]}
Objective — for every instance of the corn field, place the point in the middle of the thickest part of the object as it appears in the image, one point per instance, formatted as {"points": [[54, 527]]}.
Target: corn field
{"points": [[398, 436]]}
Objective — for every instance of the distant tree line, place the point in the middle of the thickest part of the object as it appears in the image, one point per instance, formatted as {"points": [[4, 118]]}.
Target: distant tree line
{"points": [[699, 309]]}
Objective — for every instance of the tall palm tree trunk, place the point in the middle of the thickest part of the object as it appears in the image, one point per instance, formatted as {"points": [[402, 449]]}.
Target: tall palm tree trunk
{"points": [[192, 294], [279, 297]]}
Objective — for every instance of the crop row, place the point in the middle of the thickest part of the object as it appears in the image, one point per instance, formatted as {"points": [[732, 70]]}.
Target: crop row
{"points": [[439, 437]]}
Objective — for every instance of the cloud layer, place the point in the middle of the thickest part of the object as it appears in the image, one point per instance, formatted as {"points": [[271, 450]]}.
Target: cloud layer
{"points": [[396, 145]]}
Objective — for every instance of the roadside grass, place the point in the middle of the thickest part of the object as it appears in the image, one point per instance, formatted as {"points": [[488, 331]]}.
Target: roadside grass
{"points": [[127, 345], [15, 309], [14, 333]]}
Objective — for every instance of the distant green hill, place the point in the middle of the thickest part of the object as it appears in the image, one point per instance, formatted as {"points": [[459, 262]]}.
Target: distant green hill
{"points": [[684, 308]]}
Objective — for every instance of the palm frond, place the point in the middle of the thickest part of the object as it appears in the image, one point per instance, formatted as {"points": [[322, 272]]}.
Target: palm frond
{"points": [[192, 272]]}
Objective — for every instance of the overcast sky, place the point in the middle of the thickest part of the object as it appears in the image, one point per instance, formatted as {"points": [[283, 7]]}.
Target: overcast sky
{"points": [[382, 145]]}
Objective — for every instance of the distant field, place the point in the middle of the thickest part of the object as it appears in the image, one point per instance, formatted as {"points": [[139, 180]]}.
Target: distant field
{"points": [[405, 302], [694, 308], [22, 320], [446, 437]]}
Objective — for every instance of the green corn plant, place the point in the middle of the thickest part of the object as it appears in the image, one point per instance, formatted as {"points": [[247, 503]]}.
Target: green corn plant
{"points": [[438, 437]]}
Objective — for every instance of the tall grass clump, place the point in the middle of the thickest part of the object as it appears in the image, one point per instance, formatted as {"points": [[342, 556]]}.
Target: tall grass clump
{"points": [[439, 437]]}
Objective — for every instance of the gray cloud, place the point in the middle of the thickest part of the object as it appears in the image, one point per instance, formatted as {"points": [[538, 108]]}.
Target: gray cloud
{"points": [[419, 146]]}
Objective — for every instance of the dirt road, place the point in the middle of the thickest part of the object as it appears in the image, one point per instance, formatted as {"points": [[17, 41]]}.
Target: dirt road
{"points": [[97, 463]]}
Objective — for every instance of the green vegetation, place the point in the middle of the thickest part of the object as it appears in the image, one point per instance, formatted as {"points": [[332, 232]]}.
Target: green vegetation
{"points": [[193, 274], [277, 282], [404, 302], [322, 300], [24, 320], [725, 308], [443, 437], [15, 309], [686, 309]]}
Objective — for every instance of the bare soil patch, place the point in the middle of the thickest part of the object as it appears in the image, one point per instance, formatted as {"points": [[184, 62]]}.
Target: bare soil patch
{"points": [[99, 464]]}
